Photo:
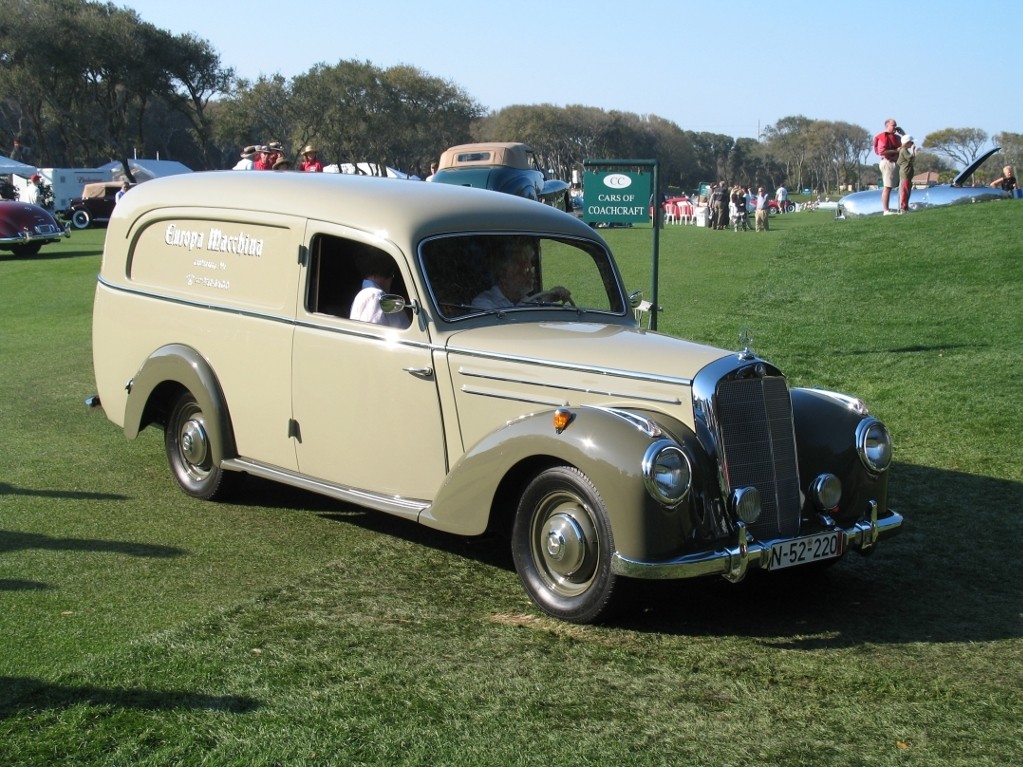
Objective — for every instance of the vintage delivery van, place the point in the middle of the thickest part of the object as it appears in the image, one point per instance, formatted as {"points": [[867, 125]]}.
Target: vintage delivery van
{"points": [[469, 360]]}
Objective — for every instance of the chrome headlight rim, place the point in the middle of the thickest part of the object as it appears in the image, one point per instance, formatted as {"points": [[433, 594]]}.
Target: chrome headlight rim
{"points": [[874, 445], [655, 469]]}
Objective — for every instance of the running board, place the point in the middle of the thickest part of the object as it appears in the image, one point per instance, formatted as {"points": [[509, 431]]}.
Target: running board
{"points": [[399, 507]]}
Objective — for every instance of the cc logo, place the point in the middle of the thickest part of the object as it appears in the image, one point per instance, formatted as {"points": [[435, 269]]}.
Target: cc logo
{"points": [[617, 181]]}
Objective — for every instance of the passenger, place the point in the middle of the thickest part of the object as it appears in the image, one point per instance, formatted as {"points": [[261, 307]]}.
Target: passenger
{"points": [[246, 161], [886, 146], [516, 278], [262, 161], [782, 198], [378, 276], [907, 156], [762, 201], [309, 161], [125, 186], [1008, 180]]}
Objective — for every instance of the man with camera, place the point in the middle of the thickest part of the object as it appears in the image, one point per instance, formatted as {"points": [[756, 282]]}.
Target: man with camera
{"points": [[886, 146]]}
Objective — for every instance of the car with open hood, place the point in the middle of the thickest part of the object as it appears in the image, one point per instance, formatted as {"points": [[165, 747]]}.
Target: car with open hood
{"points": [[868, 202], [471, 361], [25, 228]]}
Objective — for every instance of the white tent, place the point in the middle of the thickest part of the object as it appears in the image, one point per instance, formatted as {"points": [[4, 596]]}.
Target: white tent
{"points": [[13, 167], [145, 170]]}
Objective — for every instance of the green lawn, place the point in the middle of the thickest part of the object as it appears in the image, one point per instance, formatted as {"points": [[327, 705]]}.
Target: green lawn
{"points": [[142, 627]]}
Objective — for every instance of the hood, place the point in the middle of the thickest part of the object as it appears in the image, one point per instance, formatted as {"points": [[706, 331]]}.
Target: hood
{"points": [[610, 351]]}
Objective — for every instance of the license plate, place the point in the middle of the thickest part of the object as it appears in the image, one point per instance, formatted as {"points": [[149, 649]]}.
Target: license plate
{"points": [[800, 551]]}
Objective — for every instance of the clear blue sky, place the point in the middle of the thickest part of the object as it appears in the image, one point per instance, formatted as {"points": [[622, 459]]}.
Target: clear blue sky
{"points": [[706, 66]]}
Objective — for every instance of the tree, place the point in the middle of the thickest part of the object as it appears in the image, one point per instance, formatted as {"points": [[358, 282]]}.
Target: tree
{"points": [[786, 141], [961, 145], [86, 99]]}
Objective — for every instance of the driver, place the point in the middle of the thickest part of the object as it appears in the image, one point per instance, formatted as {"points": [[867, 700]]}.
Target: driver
{"points": [[516, 277]]}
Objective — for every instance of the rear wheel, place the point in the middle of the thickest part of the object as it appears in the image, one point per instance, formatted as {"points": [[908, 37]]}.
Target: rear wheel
{"points": [[81, 219], [26, 250], [562, 546], [190, 451]]}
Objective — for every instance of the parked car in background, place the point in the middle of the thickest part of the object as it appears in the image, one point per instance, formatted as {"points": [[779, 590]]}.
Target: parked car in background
{"points": [[501, 385], [773, 207], [94, 206], [508, 167], [25, 228]]}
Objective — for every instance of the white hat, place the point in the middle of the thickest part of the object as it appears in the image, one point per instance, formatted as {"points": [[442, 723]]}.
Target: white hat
{"points": [[908, 140]]}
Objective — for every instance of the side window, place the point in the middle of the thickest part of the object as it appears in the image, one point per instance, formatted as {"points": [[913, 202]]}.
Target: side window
{"points": [[337, 269]]}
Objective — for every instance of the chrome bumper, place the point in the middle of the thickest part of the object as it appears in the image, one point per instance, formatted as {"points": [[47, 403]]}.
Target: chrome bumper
{"points": [[732, 562], [25, 236]]}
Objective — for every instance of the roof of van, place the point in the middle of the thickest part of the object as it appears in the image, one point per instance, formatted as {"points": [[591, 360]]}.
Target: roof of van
{"points": [[395, 209]]}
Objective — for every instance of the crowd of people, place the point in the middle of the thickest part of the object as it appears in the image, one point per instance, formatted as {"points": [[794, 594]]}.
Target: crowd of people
{"points": [[271, 156], [730, 206]]}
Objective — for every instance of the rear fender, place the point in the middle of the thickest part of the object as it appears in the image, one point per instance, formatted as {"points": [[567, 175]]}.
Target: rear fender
{"points": [[158, 382]]}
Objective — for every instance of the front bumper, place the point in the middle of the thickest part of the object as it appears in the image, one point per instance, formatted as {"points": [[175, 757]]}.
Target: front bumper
{"points": [[732, 562]]}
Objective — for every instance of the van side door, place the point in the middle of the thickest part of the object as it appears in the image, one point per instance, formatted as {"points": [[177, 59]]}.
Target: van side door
{"points": [[365, 401]]}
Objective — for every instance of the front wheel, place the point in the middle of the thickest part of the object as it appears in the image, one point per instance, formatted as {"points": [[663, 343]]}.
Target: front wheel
{"points": [[190, 452], [562, 546]]}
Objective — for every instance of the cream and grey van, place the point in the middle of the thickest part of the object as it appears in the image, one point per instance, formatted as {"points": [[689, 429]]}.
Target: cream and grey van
{"points": [[471, 361]]}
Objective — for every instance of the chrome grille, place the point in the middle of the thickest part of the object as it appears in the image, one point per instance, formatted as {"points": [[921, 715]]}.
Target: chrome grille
{"points": [[754, 416]]}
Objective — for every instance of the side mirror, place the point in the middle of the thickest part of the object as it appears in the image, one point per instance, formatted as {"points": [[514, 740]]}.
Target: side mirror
{"points": [[392, 303]]}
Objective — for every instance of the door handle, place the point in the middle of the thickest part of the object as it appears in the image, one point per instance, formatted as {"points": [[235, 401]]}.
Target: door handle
{"points": [[420, 372]]}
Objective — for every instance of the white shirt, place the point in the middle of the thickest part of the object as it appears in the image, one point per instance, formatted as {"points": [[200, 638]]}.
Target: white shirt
{"points": [[366, 308], [492, 298]]}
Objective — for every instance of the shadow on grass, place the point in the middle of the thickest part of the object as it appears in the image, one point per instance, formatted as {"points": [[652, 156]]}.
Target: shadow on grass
{"points": [[9, 584], [16, 541], [51, 255], [951, 576], [21, 693], [6, 489]]}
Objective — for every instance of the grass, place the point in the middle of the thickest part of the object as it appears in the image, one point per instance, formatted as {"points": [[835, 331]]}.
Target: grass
{"points": [[142, 627]]}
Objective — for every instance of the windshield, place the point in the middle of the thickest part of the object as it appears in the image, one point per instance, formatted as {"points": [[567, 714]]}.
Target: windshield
{"points": [[476, 274]]}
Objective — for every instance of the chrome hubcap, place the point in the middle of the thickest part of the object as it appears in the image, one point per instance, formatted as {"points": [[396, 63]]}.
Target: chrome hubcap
{"points": [[194, 444], [565, 544]]}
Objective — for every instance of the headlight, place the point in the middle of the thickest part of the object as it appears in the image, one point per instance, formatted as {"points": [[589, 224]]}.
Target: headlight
{"points": [[667, 472], [874, 444]]}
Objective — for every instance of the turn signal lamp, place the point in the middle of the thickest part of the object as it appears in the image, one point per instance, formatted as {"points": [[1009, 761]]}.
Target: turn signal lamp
{"points": [[562, 418]]}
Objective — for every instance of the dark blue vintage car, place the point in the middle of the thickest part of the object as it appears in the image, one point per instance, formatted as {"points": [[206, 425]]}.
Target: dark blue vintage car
{"points": [[502, 166]]}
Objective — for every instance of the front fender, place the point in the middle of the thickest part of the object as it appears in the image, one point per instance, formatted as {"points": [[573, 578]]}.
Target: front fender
{"points": [[607, 445], [825, 425], [163, 374]]}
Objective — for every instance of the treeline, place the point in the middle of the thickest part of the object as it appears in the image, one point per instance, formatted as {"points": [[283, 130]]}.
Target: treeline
{"points": [[84, 83]]}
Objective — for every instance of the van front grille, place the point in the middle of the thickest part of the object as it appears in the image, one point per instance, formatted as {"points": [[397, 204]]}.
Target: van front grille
{"points": [[758, 449]]}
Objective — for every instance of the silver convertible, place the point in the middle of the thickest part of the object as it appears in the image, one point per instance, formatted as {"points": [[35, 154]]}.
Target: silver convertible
{"points": [[469, 360]]}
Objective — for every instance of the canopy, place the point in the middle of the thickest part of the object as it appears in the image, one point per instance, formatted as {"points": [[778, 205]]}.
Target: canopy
{"points": [[9, 166]]}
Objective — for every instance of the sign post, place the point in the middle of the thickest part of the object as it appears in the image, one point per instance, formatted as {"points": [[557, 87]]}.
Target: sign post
{"points": [[626, 197]]}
